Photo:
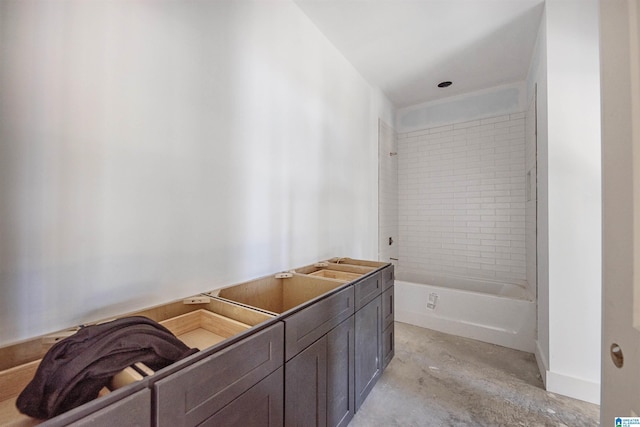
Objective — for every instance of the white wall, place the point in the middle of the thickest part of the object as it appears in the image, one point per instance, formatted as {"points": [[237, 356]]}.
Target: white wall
{"points": [[569, 198], [462, 202], [154, 149]]}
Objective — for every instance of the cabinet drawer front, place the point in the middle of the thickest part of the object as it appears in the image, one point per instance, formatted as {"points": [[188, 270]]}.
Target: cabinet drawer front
{"points": [[193, 394], [134, 410], [388, 345], [366, 290], [387, 307], [260, 406], [309, 324], [388, 277]]}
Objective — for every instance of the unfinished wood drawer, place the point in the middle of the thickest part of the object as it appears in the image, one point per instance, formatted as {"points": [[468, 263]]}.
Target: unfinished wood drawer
{"points": [[367, 289], [279, 293], [312, 322], [337, 275], [355, 269], [194, 393], [358, 262], [202, 329]]}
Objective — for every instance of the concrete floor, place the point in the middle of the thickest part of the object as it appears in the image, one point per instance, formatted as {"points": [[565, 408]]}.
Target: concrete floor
{"points": [[437, 379]]}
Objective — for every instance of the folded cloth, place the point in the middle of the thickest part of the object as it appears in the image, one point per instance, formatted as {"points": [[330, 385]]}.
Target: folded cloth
{"points": [[75, 369]]}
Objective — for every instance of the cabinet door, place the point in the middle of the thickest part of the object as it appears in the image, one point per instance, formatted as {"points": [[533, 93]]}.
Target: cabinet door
{"points": [[194, 393], [368, 348], [341, 374], [260, 406], [305, 378]]}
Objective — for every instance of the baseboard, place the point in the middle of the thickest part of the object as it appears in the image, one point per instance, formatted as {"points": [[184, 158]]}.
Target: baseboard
{"points": [[577, 388], [565, 385]]}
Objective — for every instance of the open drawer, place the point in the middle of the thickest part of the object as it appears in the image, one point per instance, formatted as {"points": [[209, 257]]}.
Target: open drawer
{"points": [[346, 273], [279, 293], [199, 321], [357, 262]]}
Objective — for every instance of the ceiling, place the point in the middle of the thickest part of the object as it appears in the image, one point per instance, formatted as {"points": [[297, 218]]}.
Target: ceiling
{"points": [[406, 47]]}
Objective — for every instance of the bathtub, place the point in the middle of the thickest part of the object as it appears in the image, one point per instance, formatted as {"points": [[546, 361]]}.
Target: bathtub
{"points": [[492, 312]]}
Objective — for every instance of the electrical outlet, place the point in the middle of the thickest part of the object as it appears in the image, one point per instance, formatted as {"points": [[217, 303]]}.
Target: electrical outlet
{"points": [[433, 301]]}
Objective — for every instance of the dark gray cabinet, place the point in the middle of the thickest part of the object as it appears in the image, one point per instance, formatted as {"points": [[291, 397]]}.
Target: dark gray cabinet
{"points": [[312, 365], [194, 393], [260, 406]]}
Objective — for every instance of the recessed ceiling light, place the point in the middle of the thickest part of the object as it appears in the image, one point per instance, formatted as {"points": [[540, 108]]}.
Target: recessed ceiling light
{"points": [[444, 84]]}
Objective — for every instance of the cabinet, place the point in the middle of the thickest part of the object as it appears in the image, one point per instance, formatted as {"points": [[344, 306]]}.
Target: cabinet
{"points": [[319, 381], [299, 348]]}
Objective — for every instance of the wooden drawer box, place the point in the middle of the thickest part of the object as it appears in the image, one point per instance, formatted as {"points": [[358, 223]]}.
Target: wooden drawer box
{"points": [[354, 269], [310, 306], [191, 395], [279, 293], [358, 262]]}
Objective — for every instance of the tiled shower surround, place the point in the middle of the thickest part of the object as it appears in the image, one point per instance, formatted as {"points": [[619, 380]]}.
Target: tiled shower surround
{"points": [[462, 201]]}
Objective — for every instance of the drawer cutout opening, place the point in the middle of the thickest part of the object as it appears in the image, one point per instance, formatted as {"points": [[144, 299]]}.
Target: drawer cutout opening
{"points": [[278, 295], [202, 329]]}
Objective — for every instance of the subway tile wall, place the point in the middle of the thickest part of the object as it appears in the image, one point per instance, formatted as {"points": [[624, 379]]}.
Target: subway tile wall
{"points": [[461, 200]]}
